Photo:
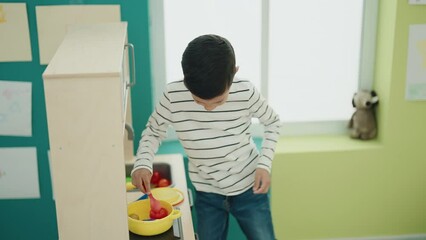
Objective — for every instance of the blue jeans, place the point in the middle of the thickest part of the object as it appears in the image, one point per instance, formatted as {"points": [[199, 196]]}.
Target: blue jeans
{"points": [[251, 211]]}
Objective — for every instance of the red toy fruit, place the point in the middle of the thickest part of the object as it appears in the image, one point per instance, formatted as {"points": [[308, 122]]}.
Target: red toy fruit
{"points": [[155, 177], [158, 214], [164, 182]]}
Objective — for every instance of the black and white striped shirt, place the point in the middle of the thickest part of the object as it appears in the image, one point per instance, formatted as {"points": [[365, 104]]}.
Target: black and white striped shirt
{"points": [[221, 152]]}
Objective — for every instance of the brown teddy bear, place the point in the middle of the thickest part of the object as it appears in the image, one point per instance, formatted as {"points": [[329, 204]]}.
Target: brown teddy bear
{"points": [[363, 122]]}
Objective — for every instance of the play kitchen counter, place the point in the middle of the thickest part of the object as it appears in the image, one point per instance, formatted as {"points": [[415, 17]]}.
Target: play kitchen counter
{"points": [[87, 94], [178, 180]]}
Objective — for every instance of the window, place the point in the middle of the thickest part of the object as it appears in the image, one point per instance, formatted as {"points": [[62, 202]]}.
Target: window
{"points": [[306, 57]]}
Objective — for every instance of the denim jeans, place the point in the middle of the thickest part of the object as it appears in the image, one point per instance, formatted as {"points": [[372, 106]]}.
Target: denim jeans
{"points": [[251, 211]]}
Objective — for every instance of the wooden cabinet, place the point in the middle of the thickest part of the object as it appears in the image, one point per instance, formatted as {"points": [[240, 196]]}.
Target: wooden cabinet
{"points": [[87, 103]]}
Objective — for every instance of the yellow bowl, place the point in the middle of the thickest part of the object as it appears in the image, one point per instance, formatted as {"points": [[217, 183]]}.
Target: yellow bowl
{"points": [[145, 227]]}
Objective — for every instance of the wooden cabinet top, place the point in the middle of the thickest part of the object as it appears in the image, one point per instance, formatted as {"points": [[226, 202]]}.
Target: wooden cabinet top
{"points": [[94, 50]]}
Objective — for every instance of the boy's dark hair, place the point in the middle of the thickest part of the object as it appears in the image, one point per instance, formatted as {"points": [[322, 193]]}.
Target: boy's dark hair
{"points": [[208, 65]]}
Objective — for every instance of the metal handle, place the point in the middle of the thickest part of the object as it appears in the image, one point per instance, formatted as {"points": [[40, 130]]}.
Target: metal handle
{"points": [[191, 199], [131, 84]]}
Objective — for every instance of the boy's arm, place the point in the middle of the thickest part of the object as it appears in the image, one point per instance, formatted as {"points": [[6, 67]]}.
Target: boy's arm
{"points": [[267, 116], [152, 136]]}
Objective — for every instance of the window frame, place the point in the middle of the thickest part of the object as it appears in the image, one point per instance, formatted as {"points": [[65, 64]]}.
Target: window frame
{"points": [[366, 66]]}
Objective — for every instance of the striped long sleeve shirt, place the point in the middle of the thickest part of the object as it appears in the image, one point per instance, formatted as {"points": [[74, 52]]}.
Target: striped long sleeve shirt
{"points": [[221, 153]]}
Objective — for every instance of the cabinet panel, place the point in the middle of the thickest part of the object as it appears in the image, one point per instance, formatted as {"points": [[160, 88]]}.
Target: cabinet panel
{"points": [[87, 158], [86, 113]]}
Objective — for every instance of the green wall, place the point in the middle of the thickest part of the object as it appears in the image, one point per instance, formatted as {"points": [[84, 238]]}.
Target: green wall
{"points": [[333, 187], [39, 215]]}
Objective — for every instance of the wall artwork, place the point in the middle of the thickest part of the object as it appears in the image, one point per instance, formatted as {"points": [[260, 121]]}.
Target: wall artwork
{"points": [[418, 2], [416, 63], [19, 173], [15, 45], [15, 108], [52, 22]]}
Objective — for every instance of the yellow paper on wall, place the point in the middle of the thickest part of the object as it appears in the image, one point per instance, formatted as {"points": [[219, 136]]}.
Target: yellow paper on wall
{"points": [[15, 45]]}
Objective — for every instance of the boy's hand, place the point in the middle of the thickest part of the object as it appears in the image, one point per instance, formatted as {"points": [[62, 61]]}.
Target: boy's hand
{"points": [[141, 178], [262, 181]]}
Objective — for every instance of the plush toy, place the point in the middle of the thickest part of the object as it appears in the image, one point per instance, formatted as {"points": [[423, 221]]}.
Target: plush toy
{"points": [[363, 122]]}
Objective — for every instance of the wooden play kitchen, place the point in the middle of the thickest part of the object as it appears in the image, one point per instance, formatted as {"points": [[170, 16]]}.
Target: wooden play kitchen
{"points": [[87, 92]]}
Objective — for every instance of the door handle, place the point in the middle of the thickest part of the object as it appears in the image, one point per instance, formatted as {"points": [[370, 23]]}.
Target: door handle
{"points": [[133, 76]]}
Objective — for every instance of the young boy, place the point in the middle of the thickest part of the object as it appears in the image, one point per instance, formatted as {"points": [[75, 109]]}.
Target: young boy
{"points": [[211, 114]]}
